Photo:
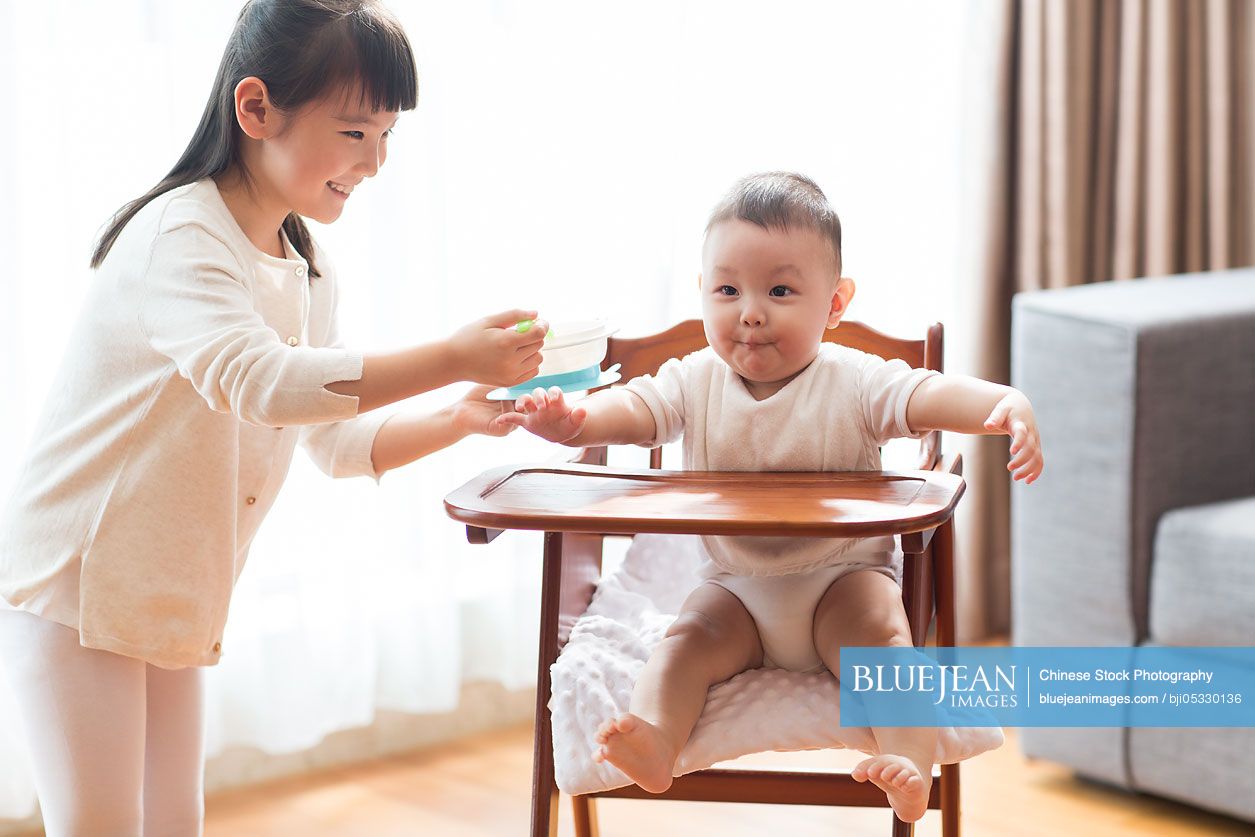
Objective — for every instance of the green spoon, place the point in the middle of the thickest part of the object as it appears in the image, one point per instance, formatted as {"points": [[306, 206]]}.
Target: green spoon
{"points": [[526, 325]]}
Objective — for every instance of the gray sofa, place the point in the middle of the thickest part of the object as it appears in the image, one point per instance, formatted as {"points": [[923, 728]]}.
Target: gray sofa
{"points": [[1141, 530]]}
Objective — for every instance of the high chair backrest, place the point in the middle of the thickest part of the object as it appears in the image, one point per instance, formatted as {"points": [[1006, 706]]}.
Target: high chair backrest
{"points": [[644, 355]]}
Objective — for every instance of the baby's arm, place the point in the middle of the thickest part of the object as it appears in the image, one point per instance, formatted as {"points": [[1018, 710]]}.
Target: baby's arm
{"points": [[610, 417], [962, 404]]}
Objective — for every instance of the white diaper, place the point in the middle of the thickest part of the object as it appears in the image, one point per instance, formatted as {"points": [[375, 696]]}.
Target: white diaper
{"points": [[783, 607]]}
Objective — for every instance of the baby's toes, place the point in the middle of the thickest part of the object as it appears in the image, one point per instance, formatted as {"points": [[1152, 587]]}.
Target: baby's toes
{"points": [[625, 723]]}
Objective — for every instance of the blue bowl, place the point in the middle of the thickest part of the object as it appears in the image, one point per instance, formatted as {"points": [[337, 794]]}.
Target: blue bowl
{"points": [[590, 377]]}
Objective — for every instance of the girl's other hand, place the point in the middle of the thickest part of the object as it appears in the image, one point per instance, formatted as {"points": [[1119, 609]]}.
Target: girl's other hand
{"points": [[474, 413], [493, 351], [1013, 415], [548, 415]]}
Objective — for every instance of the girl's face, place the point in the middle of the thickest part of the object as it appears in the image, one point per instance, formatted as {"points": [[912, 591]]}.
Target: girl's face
{"points": [[321, 152]]}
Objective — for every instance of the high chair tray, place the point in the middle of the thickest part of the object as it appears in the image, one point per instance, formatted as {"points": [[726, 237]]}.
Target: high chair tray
{"points": [[593, 498]]}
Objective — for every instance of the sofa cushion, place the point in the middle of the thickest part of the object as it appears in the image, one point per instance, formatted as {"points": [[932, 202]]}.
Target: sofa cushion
{"points": [[1202, 588]]}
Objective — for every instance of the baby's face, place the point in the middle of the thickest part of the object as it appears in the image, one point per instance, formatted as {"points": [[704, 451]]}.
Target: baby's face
{"points": [[767, 296]]}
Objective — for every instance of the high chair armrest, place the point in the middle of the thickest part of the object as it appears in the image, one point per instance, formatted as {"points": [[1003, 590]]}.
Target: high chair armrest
{"points": [[479, 535], [590, 456], [929, 451], [918, 542], [952, 464]]}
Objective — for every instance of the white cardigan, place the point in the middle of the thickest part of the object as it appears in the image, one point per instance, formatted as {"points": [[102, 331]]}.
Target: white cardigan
{"points": [[197, 364]]}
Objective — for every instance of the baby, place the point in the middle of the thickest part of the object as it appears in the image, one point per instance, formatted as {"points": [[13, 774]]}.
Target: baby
{"points": [[769, 395]]}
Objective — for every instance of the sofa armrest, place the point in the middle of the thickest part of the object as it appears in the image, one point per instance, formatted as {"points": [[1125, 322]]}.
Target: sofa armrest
{"points": [[1145, 393]]}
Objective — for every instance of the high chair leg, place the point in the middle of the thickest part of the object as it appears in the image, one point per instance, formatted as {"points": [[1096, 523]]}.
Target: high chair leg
{"points": [[544, 786], [585, 808], [917, 594], [950, 800], [943, 561]]}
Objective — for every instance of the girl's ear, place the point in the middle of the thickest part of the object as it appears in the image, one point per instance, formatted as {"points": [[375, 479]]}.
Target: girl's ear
{"points": [[258, 118], [841, 296]]}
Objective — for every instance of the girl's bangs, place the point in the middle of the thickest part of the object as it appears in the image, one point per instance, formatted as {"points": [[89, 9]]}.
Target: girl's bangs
{"points": [[368, 55]]}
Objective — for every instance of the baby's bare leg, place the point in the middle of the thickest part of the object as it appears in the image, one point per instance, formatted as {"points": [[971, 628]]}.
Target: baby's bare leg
{"points": [[865, 608], [712, 639]]}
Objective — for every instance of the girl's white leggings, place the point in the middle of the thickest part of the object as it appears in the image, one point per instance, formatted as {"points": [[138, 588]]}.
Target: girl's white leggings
{"points": [[116, 744]]}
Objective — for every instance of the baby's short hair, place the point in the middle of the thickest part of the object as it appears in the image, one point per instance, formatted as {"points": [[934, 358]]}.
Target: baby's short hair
{"points": [[780, 199]]}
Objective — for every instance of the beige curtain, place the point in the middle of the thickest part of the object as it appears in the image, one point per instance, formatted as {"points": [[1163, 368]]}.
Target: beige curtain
{"points": [[1121, 148]]}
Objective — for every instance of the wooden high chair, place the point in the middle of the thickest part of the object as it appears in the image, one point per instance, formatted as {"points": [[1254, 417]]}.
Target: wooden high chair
{"points": [[577, 504]]}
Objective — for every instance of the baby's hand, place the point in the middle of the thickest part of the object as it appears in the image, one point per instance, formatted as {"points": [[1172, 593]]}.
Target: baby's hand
{"points": [[547, 415], [494, 351], [1013, 415]]}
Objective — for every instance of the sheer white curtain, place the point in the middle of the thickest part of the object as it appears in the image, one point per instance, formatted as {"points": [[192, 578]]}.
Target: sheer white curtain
{"points": [[563, 157]]}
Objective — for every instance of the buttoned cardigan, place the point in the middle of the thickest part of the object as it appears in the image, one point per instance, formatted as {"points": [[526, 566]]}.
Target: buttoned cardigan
{"points": [[197, 364]]}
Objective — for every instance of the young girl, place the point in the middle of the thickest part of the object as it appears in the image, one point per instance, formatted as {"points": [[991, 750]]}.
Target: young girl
{"points": [[207, 349]]}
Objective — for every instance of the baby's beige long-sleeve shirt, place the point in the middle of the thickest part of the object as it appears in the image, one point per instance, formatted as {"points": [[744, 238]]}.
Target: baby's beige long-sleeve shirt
{"points": [[196, 366]]}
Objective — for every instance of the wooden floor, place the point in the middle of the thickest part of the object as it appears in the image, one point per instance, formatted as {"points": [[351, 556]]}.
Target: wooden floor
{"points": [[481, 786]]}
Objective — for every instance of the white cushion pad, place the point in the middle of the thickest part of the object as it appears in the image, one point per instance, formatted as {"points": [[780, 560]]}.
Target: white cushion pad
{"points": [[758, 710]]}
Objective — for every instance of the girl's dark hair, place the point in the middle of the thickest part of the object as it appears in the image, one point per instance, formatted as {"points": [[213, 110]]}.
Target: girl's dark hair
{"points": [[301, 49], [780, 199]]}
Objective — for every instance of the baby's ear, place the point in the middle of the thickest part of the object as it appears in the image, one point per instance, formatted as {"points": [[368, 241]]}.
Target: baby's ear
{"points": [[699, 280], [842, 294]]}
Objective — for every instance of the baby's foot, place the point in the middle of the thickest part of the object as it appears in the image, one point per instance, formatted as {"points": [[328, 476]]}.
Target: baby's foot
{"points": [[639, 749], [904, 784]]}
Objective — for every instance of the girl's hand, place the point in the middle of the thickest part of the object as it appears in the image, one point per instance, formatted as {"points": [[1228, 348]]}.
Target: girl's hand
{"points": [[1013, 415], [493, 351], [474, 413], [547, 415]]}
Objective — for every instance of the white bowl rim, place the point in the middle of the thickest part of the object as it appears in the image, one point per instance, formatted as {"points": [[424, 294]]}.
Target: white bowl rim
{"points": [[575, 332]]}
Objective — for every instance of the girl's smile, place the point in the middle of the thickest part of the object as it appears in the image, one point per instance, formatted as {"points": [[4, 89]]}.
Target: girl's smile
{"points": [[339, 189]]}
